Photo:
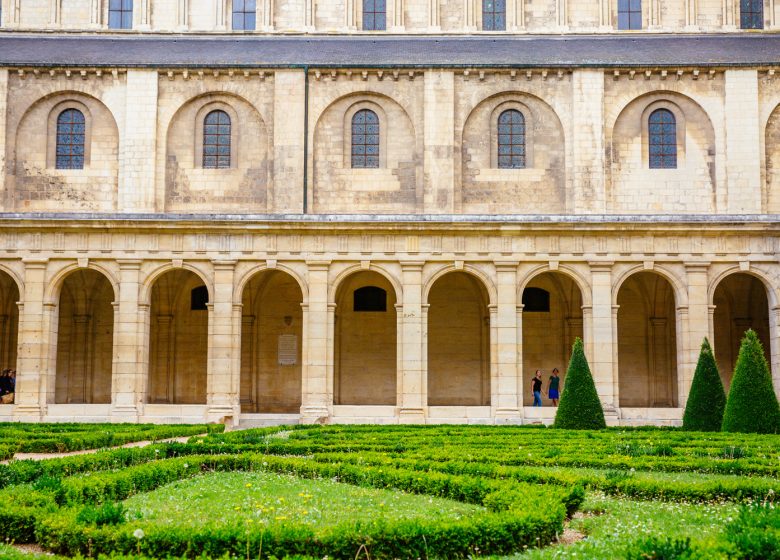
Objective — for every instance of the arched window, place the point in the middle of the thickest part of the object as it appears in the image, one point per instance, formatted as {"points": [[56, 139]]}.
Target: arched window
{"points": [[216, 140], [751, 14], [511, 140], [244, 15], [662, 129], [494, 15], [71, 131], [120, 14], [365, 139], [629, 14], [374, 15]]}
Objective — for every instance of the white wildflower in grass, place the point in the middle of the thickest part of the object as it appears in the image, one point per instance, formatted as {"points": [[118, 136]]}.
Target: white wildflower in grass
{"points": [[138, 534]]}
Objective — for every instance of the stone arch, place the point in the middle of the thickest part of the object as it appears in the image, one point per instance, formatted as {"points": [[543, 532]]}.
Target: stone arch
{"points": [[54, 287], [190, 187], [549, 331], [772, 162], [32, 171], [249, 275], [10, 291], [365, 352], [741, 302], [572, 273], [395, 187], [151, 277], [178, 337], [84, 336], [634, 188], [335, 285], [271, 343], [540, 188], [458, 340], [679, 286], [647, 341], [488, 283]]}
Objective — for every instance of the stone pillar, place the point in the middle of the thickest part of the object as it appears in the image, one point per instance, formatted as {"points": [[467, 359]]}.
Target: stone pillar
{"points": [[698, 327], [286, 193], [743, 142], [3, 117], [508, 390], [268, 15], [316, 401], [182, 15], [138, 144], [126, 380], [588, 195], [222, 392], [774, 345], [434, 20], [398, 25], [33, 344], [412, 400], [439, 134], [603, 345], [515, 15], [143, 19]]}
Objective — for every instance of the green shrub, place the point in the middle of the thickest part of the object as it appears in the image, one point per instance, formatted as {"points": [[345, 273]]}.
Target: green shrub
{"points": [[752, 404], [580, 406], [707, 399], [655, 548], [755, 534], [109, 513]]}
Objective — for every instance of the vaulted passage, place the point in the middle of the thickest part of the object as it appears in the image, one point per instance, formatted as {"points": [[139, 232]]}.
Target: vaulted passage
{"points": [[178, 339], [647, 345], [552, 318], [365, 345], [740, 304], [271, 332], [458, 342], [85, 335], [9, 321]]}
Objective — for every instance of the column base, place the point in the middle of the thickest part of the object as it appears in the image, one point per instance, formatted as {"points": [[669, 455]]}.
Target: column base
{"points": [[124, 413], [412, 416], [611, 415], [508, 416], [223, 414], [28, 413], [315, 414]]}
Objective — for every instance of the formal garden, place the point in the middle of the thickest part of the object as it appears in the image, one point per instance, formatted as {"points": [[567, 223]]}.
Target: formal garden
{"points": [[575, 490]]}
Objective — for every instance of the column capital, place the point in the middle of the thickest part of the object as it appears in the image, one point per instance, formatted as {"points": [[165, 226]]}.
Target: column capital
{"points": [[35, 262], [412, 265], [129, 264], [601, 266], [506, 266], [318, 265], [697, 266], [222, 264]]}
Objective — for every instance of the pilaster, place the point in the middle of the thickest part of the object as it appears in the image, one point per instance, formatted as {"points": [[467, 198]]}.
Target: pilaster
{"points": [[439, 133], [126, 384], [602, 347], [3, 120], [588, 194], [743, 141], [222, 391], [286, 193], [316, 386], [508, 389], [143, 22], [138, 143], [412, 399], [698, 322], [33, 344]]}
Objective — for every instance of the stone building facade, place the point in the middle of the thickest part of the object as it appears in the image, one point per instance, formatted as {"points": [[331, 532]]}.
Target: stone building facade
{"points": [[200, 222]]}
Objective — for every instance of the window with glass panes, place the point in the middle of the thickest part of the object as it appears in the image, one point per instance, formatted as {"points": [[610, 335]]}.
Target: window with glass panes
{"points": [[244, 15], [71, 134], [365, 139], [629, 14], [511, 140], [120, 14], [751, 14], [374, 15], [216, 140], [493, 15], [662, 134]]}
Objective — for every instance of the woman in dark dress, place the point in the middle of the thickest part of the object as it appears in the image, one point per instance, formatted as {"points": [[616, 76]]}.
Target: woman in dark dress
{"points": [[553, 388]]}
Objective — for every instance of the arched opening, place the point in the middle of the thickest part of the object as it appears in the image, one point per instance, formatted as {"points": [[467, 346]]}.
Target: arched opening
{"points": [[271, 334], [552, 319], [85, 336], [740, 304], [9, 321], [647, 343], [178, 340], [365, 351], [458, 342]]}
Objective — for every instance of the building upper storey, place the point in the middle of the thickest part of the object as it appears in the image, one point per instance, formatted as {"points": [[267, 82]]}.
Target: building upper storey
{"points": [[393, 16]]}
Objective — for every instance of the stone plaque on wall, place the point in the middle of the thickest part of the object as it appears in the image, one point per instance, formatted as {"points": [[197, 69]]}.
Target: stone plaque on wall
{"points": [[288, 350]]}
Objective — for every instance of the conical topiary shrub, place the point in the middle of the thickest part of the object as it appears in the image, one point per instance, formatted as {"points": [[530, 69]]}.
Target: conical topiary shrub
{"points": [[580, 406], [707, 399], [752, 404]]}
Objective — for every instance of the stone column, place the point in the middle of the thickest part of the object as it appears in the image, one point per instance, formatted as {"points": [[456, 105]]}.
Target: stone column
{"points": [[439, 134], [138, 144], [603, 344], [412, 401], [774, 345], [589, 194], [743, 142], [315, 398], [434, 23], [698, 321], [286, 196], [182, 15], [143, 23], [3, 117], [222, 399], [507, 404], [126, 381], [33, 344]]}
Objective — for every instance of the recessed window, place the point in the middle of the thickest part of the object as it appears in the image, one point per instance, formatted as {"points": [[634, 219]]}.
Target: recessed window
{"points": [[120, 14], [365, 139], [662, 137], [536, 300], [374, 15], [244, 15], [751, 14], [629, 14], [370, 298], [71, 132], [216, 140], [494, 15], [199, 297], [511, 140]]}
